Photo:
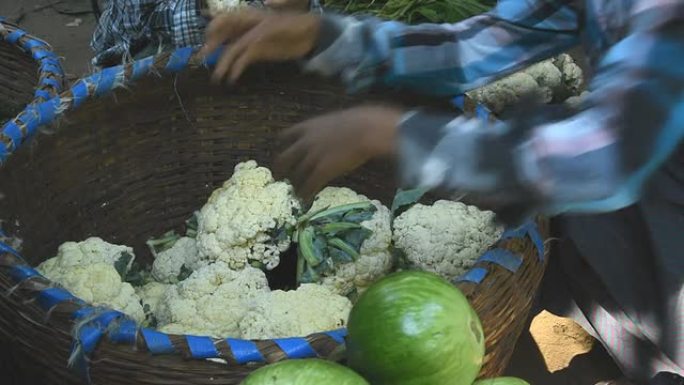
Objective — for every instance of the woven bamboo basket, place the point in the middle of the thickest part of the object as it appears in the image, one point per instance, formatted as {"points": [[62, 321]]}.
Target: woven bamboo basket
{"points": [[29, 71], [139, 147]]}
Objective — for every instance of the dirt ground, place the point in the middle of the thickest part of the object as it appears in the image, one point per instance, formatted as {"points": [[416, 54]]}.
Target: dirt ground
{"points": [[555, 351]]}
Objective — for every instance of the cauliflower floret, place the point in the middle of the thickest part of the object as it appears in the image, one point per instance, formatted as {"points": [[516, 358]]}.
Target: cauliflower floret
{"points": [[168, 264], [218, 6], [576, 101], [445, 238], [99, 284], [375, 258], [211, 301], [572, 74], [506, 92], [549, 80], [92, 250], [240, 222], [310, 309], [151, 294]]}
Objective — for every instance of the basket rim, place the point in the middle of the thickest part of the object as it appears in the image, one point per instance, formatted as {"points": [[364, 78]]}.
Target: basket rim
{"points": [[50, 75], [102, 83]]}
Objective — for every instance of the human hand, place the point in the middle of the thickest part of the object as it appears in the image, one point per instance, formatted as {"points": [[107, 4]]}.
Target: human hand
{"points": [[326, 147], [257, 37]]}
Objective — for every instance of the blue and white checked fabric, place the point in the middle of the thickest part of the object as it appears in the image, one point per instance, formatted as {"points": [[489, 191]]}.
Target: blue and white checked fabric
{"points": [[127, 27]]}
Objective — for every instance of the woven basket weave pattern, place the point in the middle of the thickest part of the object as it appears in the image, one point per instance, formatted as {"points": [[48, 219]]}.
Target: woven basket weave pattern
{"points": [[131, 166]]}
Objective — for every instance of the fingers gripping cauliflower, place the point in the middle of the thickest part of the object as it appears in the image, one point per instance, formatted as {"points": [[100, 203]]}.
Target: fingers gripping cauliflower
{"points": [[375, 259], [445, 238], [211, 301], [310, 309], [89, 270], [245, 221]]}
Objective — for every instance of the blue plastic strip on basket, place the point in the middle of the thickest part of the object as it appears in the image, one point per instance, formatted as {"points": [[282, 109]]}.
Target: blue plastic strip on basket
{"points": [[244, 351], [475, 275], [83, 312], [213, 58], [503, 258], [42, 94], [51, 297], [13, 131], [41, 55], [201, 347], [3, 151], [79, 92], [31, 44], [49, 66], [295, 347], [179, 59], [22, 273], [125, 333], [105, 80], [157, 342], [142, 67], [337, 335], [14, 37], [47, 110], [50, 82], [528, 229]]}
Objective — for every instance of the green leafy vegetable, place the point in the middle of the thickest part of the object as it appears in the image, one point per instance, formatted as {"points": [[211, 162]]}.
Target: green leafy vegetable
{"points": [[414, 11], [184, 273], [403, 199], [121, 264], [163, 243]]}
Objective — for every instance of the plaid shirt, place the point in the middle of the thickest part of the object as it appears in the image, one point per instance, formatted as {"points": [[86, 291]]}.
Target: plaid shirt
{"points": [[126, 27], [598, 159]]}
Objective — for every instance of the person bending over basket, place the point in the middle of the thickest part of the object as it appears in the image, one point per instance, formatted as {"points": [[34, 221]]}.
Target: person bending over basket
{"points": [[611, 171], [132, 29]]}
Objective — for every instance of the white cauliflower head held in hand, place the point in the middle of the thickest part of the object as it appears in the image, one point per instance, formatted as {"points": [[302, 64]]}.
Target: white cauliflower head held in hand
{"points": [[246, 220], [445, 238], [374, 258]]}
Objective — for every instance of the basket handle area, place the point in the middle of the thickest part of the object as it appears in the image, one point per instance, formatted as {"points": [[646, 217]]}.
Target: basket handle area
{"points": [[15, 132]]}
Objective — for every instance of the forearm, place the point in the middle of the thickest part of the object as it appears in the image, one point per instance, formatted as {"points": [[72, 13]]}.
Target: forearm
{"points": [[444, 59]]}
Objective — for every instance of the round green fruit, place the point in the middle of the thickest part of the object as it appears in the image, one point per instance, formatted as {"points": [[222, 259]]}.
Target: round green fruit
{"points": [[415, 328], [502, 381], [304, 372]]}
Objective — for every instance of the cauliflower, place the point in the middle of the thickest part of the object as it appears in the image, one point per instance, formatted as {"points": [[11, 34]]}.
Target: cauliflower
{"points": [[171, 265], [212, 301], [91, 270], [150, 295], [375, 258], [310, 309], [245, 221], [92, 250], [99, 284], [549, 80], [576, 101], [218, 6], [445, 238]]}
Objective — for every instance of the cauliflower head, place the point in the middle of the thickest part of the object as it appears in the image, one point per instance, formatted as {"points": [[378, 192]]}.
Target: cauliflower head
{"points": [[92, 250], [218, 6], [445, 238], [212, 301], [549, 80], [310, 309], [243, 221], [150, 294], [169, 264], [99, 284], [375, 258]]}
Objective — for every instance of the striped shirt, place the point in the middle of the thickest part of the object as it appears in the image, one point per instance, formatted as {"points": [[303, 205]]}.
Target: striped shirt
{"points": [[597, 159]]}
